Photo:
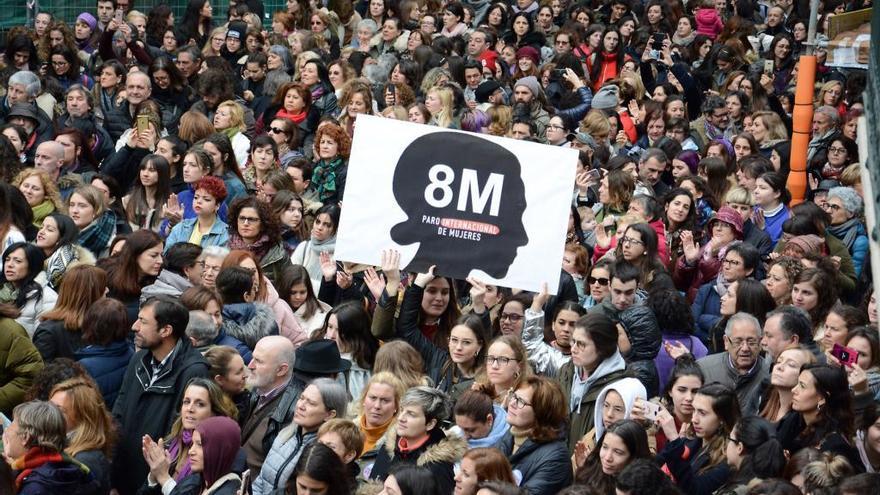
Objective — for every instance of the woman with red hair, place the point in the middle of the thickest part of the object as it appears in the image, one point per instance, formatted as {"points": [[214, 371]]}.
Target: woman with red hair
{"points": [[206, 228], [332, 148]]}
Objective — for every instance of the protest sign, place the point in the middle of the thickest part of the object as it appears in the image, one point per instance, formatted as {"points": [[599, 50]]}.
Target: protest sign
{"points": [[473, 205]]}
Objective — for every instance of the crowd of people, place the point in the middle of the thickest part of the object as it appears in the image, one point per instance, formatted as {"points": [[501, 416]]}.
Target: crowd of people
{"points": [[173, 319]]}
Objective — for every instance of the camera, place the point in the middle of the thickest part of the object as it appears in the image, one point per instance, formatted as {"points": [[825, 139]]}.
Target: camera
{"points": [[657, 40]]}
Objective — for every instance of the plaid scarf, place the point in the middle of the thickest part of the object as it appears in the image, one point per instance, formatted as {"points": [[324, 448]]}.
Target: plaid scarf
{"points": [[258, 249], [32, 459], [97, 235], [324, 177]]}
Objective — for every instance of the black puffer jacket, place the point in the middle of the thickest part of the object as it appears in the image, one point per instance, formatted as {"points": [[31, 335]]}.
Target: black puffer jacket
{"points": [[645, 339], [117, 118]]}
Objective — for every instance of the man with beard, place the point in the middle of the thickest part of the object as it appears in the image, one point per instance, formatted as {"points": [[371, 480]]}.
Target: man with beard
{"points": [[529, 98]]}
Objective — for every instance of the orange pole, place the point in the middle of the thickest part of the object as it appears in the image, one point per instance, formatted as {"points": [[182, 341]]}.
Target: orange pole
{"points": [[802, 124]]}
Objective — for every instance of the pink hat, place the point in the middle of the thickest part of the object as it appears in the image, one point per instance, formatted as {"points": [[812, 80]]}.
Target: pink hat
{"points": [[530, 53], [731, 217]]}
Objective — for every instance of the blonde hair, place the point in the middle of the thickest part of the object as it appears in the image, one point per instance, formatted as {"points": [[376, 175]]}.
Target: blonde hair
{"points": [[395, 112], [820, 99], [851, 176], [382, 378], [236, 115], [775, 128], [596, 124], [49, 186], [443, 118], [94, 425], [501, 119], [740, 196], [207, 51], [92, 195]]}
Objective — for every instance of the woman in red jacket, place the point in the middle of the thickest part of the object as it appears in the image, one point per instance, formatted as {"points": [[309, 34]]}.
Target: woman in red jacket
{"points": [[606, 63]]}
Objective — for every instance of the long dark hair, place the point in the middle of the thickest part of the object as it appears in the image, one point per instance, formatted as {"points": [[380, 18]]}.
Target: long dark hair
{"points": [[224, 146], [836, 415], [192, 19], [27, 285], [320, 463], [475, 324], [353, 328], [125, 280], [138, 208], [620, 55], [764, 456], [636, 440], [295, 275], [726, 406]]}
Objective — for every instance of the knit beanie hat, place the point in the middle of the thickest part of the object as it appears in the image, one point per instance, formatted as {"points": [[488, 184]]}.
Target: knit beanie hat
{"points": [[607, 98], [237, 30], [529, 53], [531, 83], [88, 19]]}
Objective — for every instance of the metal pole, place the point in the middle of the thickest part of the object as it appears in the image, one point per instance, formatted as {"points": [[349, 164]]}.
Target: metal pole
{"points": [[811, 28]]}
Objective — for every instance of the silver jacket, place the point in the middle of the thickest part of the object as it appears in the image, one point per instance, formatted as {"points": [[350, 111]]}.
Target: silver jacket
{"points": [[545, 359]]}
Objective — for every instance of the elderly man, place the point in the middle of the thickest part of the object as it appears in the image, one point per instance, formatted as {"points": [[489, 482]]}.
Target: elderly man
{"points": [[270, 372], [826, 125], [740, 366], [787, 327], [23, 88], [530, 100]]}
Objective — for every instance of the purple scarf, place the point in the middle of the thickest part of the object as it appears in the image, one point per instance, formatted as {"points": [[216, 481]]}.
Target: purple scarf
{"points": [[176, 448]]}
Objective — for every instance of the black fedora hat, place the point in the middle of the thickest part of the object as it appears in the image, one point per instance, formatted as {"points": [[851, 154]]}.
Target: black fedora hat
{"points": [[320, 357]]}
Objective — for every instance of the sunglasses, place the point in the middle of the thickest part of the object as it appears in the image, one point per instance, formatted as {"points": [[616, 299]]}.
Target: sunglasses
{"points": [[277, 130], [600, 281]]}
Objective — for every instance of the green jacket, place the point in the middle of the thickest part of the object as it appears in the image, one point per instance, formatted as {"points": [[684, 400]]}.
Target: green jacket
{"points": [[274, 262], [19, 364], [846, 276], [582, 420]]}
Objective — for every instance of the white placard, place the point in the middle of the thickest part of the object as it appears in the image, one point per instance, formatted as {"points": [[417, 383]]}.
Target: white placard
{"points": [[493, 208]]}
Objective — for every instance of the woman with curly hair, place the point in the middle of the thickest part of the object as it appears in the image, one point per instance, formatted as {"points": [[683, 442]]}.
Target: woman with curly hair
{"points": [[332, 148], [64, 68], [40, 192], [253, 227], [292, 102], [58, 34]]}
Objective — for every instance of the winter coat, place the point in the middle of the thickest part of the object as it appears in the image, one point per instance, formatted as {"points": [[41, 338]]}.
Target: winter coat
{"points": [[148, 405], [709, 22], [274, 262], [117, 117], [706, 309], [19, 364], [643, 332], [757, 238], [53, 340], [167, 283], [288, 326], [106, 364], [281, 459], [99, 466], [66, 477], [689, 278], [717, 368], [354, 379], [545, 359], [545, 468], [33, 309], [684, 460], [581, 419], [249, 322], [439, 454], [123, 165], [217, 236], [223, 339], [438, 365]]}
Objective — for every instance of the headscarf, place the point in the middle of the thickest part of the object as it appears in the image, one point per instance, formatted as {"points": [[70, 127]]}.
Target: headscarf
{"points": [[221, 440]]}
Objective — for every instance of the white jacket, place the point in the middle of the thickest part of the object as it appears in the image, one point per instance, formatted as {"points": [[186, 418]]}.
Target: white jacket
{"points": [[30, 313]]}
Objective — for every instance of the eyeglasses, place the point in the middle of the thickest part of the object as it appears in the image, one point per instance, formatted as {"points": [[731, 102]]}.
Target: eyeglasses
{"points": [[209, 268], [248, 220], [578, 344], [513, 317], [516, 401], [562, 42], [731, 262], [600, 280], [837, 150], [555, 127], [277, 130], [502, 360], [731, 439], [631, 240], [737, 343], [833, 207]]}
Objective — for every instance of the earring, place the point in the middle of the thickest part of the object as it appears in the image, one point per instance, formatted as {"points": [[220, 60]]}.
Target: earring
{"points": [[516, 375]]}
